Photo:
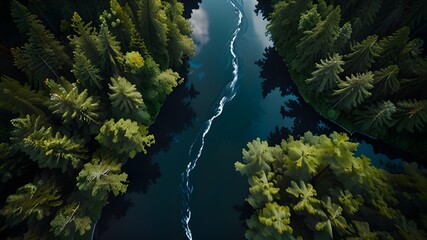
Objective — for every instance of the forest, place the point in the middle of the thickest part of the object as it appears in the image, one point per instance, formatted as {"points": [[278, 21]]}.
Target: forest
{"points": [[81, 82], [360, 64]]}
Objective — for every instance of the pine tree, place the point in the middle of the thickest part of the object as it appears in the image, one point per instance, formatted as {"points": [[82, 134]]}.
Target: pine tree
{"points": [[365, 16], [110, 52], [393, 45], [386, 82], [85, 41], [362, 55], [43, 56], [33, 200], [101, 176], [20, 99], [353, 91], [325, 77], [70, 104], [9, 162], [411, 115], [318, 41], [48, 148], [87, 74], [70, 222], [125, 137], [377, 117], [153, 28]]}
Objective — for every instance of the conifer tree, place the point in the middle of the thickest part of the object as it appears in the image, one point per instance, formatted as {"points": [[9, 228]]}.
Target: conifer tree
{"points": [[325, 77], [353, 91], [377, 117], [125, 137], [20, 99], [48, 148], [33, 200], [70, 104], [101, 176], [110, 52], [318, 41], [85, 71], [365, 16], [411, 115], [70, 222], [85, 39], [362, 55], [393, 45], [386, 82], [43, 56], [153, 28]]}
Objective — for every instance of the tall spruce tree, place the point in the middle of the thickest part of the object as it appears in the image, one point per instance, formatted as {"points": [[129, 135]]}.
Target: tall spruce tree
{"points": [[325, 77], [354, 90]]}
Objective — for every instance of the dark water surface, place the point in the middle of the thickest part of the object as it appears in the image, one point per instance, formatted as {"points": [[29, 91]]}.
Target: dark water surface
{"points": [[153, 207]]}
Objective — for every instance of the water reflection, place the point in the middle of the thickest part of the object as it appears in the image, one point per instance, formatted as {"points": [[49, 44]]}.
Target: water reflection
{"points": [[200, 26]]}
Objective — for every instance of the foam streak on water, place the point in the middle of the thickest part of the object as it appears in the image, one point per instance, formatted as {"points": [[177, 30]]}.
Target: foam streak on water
{"points": [[228, 94]]}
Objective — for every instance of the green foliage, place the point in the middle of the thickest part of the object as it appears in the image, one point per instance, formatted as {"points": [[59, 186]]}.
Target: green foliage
{"points": [[411, 115], [70, 104], [366, 15], [110, 51], [377, 117], [85, 71], [125, 137], [43, 56], [19, 98], [386, 81], [343, 197], [354, 90], [325, 77], [33, 200], [70, 221], [256, 158], [362, 55], [101, 176], [306, 195], [48, 148], [276, 216]]}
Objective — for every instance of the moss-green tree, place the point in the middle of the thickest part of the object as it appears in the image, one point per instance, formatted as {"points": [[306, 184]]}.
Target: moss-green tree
{"points": [[256, 158], [325, 77], [110, 51], [411, 115], [354, 90], [386, 81], [101, 176], [377, 117], [125, 137], [33, 200], [70, 222]]}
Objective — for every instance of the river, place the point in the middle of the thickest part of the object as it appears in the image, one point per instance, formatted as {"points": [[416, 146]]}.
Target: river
{"points": [[200, 133]]}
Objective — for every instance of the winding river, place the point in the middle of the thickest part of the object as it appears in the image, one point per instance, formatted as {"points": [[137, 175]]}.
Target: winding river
{"points": [[187, 188]]}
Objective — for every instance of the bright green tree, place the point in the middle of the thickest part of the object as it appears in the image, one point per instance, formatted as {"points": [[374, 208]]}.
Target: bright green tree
{"points": [[70, 104], [277, 217], [354, 90], [255, 158], [261, 191], [125, 137], [101, 176], [306, 195]]}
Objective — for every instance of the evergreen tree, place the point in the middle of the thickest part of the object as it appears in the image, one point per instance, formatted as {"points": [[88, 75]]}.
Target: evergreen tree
{"points": [[20, 99], [85, 39], [70, 222], [377, 117], [33, 200], [48, 148], [386, 82], [365, 16], [87, 74], [102, 176], [110, 52], [325, 77], [154, 30], [362, 55], [411, 115], [256, 158], [393, 45], [353, 91], [125, 137], [43, 56], [318, 41], [70, 104]]}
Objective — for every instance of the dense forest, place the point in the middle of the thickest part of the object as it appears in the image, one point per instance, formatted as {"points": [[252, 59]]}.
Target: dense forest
{"points": [[315, 187], [358, 63], [362, 65], [81, 82]]}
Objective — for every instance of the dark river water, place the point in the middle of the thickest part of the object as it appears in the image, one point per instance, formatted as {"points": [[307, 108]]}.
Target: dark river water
{"points": [[195, 127]]}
